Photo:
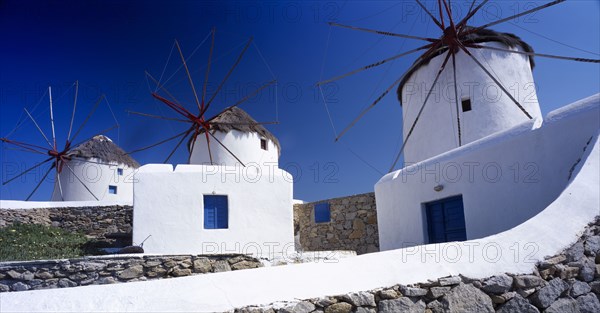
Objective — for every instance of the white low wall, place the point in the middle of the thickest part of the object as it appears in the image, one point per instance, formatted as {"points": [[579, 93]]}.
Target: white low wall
{"points": [[514, 251], [504, 179], [15, 204], [169, 206]]}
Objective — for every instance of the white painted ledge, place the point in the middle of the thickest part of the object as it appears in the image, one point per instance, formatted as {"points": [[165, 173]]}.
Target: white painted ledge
{"points": [[15, 204]]}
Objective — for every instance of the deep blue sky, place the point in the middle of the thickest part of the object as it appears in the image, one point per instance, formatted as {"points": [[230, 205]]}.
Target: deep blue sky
{"points": [[107, 46]]}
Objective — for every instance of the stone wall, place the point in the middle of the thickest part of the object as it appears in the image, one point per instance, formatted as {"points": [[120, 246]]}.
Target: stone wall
{"points": [[33, 275], [95, 222], [565, 283], [353, 225]]}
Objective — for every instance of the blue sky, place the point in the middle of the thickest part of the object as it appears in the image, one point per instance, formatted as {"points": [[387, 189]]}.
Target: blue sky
{"points": [[107, 46]]}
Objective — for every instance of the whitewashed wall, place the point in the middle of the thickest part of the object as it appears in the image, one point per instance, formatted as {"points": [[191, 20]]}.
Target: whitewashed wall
{"points": [[245, 146], [97, 175], [504, 179], [492, 110], [168, 206]]}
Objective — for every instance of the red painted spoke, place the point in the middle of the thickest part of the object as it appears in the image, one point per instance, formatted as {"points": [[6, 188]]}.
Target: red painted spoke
{"points": [[535, 54], [162, 87], [27, 170], [514, 16], [24, 145], [178, 108], [237, 61], [370, 66], [435, 20], [379, 32], [412, 127], [187, 71], [496, 81], [255, 92], [40, 183]]}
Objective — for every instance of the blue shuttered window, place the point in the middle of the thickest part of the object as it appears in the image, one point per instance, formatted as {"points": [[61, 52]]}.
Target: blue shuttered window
{"points": [[446, 220], [322, 213], [216, 212], [112, 190]]}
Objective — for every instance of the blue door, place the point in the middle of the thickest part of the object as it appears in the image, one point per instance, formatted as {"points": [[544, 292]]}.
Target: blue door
{"points": [[215, 212], [446, 220]]}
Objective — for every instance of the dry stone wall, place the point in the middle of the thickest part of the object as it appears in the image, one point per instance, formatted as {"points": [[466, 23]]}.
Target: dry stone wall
{"points": [[33, 275], [568, 282], [353, 225], [95, 222]]}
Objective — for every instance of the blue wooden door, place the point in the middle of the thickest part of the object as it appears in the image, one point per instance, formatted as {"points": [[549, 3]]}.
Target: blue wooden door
{"points": [[446, 220], [215, 212]]}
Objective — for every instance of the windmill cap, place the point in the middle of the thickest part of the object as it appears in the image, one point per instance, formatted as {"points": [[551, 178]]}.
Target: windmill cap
{"points": [[104, 149], [480, 36]]}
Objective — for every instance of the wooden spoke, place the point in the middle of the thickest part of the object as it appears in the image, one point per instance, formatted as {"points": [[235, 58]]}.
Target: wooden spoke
{"points": [[87, 118], [456, 98], [27, 170], [441, 13], [496, 81], [60, 189], [536, 54], [464, 21], [26, 146], [39, 183], [178, 144], [257, 123], [237, 61], [367, 109], [379, 32], [224, 147], [435, 20], [412, 127], [208, 147], [161, 87], [370, 66], [157, 144], [159, 117], [449, 12], [187, 71], [74, 109], [549, 4], [79, 179], [212, 46], [52, 118], [38, 128], [244, 99]]}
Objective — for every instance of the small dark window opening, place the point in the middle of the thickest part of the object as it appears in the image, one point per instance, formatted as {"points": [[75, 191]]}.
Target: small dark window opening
{"points": [[466, 105], [263, 143], [120, 171], [112, 190]]}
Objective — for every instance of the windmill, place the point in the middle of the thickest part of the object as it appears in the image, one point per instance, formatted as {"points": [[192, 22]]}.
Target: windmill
{"points": [[458, 42], [200, 124], [58, 157]]}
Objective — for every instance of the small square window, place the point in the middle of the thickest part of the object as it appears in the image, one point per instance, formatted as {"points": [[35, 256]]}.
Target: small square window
{"points": [[120, 171], [216, 212], [466, 105], [112, 190], [322, 213], [263, 143]]}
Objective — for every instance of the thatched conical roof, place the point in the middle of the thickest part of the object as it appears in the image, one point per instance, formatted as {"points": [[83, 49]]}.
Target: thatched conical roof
{"points": [[238, 119], [104, 149], [480, 36]]}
